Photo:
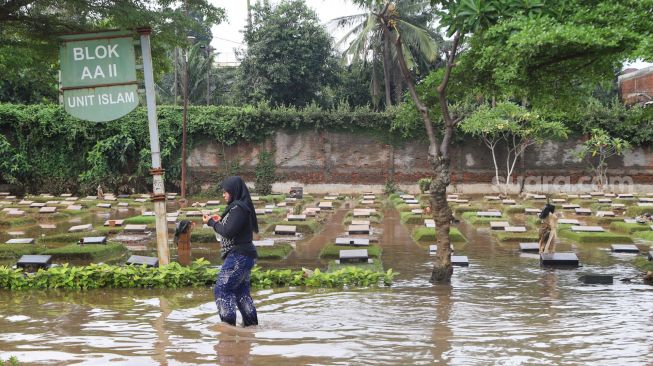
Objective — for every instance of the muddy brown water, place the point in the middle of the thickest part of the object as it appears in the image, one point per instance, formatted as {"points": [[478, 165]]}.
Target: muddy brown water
{"points": [[502, 310]]}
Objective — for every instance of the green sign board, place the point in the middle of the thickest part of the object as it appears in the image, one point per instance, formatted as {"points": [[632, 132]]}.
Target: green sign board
{"points": [[98, 75]]}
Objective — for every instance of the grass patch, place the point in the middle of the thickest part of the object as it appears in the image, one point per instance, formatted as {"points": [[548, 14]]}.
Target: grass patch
{"points": [[460, 210], [422, 234], [17, 221], [203, 236], [409, 218], [15, 251], [471, 218], [75, 237], [372, 219], [304, 227], [277, 251], [140, 220], [638, 210], [332, 251], [375, 266], [642, 262], [627, 228], [522, 237], [513, 209], [646, 235], [92, 252], [588, 237]]}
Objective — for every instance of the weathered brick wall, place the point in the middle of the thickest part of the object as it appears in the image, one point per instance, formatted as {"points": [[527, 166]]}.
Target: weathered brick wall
{"points": [[335, 157]]}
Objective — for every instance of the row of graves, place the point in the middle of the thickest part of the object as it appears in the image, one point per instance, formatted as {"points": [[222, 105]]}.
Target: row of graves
{"points": [[358, 243], [414, 215], [66, 228], [593, 218]]}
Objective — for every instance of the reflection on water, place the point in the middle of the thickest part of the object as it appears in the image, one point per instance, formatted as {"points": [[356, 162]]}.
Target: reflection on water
{"points": [[504, 309]]}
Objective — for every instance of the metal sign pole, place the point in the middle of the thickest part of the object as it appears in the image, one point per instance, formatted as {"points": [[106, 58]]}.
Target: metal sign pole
{"points": [[158, 196]]}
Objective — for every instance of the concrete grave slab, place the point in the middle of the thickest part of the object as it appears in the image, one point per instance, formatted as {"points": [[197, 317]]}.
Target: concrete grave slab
{"points": [[570, 206], [74, 208], [325, 205], [625, 195], [605, 214], [515, 229], [488, 214], [645, 204], [569, 221], [46, 209], [94, 240], [15, 233], [34, 261], [590, 229], [141, 200], [412, 201], [16, 213], [624, 248], [532, 211], [103, 205], [20, 241], [559, 259], [296, 218], [558, 200], [585, 196], [417, 211], [429, 223], [369, 197], [360, 222], [213, 203], [330, 198], [282, 204], [596, 279], [529, 247], [509, 202], [263, 243], [71, 199], [123, 204], [499, 225], [367, 202], [114, 222], [358, 229], [407, 197], [459, 261], [78, 228], [139, 260], [361, 242], [354, 256], [605, 200], [90, 198], [583, 211], [148, 213], [285, 230], [135, 228], [260, 211], [492, 198], [37, 205], [193, 213]]}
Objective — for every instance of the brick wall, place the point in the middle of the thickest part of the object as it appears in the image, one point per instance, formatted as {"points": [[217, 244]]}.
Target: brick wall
{"points": [[637, 86]]}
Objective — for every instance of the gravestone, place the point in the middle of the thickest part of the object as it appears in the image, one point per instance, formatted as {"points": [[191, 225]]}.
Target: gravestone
{"points": [[645, 199], [367, 202], [590, 229], [213, 203], [37, 205], [135, 228], [20, 241], [558, 200], [611, 195], [139, 260], [259, 211], [124, 196], [461, 201], [48, 210], [532, 211], [559, 259], [417, 211], [583, 211], [296, 218], [645, 204], [114, 222], [360, 222], [331, 198], [624, 248], [605, 200], [369, 197], [285, 230], [16, 213], [569, 221], [492, 198], [509, 202], [605, 214], [452, 197], [515, 229], [429, 223], [362, 213], [71, 199], [596, 279], [103, 205], [595, 193], [630, 221], [74, 208], [362, 242], [411, 202], [325, 205], [48, 226], [498, 225], [256, 198], [148, 213], [263, 243], [538, 197], [433, 248], [90, 198], [52, 203], [193, 213], [34, 262], [354, 256], [618, 206], [141, 200], [78, 228], [407, 197], [282, 204], [585, 196], [488, 214], [571, 196], [94, 240], [25, 203], [358, 229], [459, 261], [529, 247], [570, 206], [123, 204], [625, 195], [15, 233]]}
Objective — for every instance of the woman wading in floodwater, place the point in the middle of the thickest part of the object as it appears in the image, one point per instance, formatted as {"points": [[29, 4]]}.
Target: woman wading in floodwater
{"points": [[235, 227], [548, 229]]}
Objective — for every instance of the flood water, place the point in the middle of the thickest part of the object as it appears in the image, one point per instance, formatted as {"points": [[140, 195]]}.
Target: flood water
{"points": [[502, 310]]}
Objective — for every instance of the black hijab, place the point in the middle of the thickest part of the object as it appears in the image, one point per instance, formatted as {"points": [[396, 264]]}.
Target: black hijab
{"points": [[548, 209], [239, 197]]}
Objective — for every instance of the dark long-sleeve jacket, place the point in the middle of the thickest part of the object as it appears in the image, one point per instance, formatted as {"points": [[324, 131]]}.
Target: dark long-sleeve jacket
{"points": [[235, 229]]}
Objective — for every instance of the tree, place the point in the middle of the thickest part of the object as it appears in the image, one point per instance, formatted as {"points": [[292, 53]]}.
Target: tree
{"points": [[29, 30], [370, 42], [513, 128], [522, 50], [597, 150], [288, 58]]}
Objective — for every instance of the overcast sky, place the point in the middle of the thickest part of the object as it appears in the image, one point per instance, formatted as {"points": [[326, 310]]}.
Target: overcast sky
{"points": [[228, 35]]}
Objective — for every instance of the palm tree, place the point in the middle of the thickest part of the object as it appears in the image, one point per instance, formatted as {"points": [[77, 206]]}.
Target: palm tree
{"points": [[371, 43], [199, 64]]}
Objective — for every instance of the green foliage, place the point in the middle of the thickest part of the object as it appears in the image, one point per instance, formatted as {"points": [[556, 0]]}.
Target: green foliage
{"points": [[140, 219], [390, 186], [42, 138], [332, 251], [265, 173], [304, 227], [15, 251], [643, 264], [92, 252], [30, 30], [427, 234], [598, 149], [521, 237], [589, 237], [12, 361], [277, 251], [626, 228], [288, 58], [424, 184], [173, 275], [473, 219]]}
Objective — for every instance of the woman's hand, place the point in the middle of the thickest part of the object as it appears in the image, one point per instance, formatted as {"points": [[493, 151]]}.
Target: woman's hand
{"points": [[205, 218]]}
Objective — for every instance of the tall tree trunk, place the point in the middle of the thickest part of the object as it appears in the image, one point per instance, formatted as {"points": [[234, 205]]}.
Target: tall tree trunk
{"points": [[399, 88], [387, 64], [442, 269], [175, 86]]}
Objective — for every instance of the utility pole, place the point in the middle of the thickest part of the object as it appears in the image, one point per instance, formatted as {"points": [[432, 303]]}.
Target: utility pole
{"points": [[184, 120], [209, 51]]}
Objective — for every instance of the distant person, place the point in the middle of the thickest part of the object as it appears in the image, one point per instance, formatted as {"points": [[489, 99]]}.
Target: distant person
{"points": [[100, 192], [235, 227], [644, 218], [548, 229]]}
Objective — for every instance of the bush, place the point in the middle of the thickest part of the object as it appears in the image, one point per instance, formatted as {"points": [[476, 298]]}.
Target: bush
{"points": [[265, 173], [589, 237], [427, 234], [424, 184], [627, 228], [277, 251], [390, 187], [332, 251]]}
